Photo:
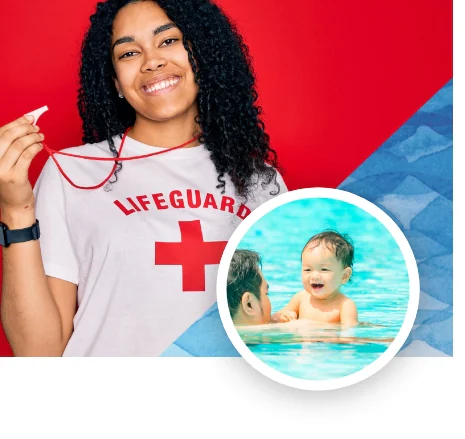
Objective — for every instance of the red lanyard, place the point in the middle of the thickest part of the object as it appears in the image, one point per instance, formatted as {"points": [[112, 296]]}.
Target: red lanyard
{"points": [[52, 152]]}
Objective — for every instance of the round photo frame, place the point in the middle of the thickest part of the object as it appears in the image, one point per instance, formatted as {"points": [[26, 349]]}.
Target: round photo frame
{"points": [[368, 370]]}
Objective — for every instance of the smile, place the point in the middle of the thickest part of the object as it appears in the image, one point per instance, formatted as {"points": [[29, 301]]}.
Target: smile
{"points": [[317, 286], [164, 85]]}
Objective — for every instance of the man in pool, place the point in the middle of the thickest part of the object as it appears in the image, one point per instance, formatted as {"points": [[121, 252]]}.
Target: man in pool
{"points": [[250, 307], [327, 261]]}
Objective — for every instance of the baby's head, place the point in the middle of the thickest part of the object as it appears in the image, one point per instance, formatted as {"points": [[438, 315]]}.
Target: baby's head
{"points": [[327, 260]]}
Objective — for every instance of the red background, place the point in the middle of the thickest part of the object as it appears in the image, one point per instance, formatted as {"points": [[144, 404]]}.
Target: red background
{"points": [[335, 78]]}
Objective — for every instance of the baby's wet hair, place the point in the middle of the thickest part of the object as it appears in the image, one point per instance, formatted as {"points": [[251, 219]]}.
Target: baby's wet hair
{"points": [[340, 244]]}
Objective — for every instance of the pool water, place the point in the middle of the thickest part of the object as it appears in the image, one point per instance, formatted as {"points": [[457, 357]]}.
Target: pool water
{"points": [[379, 287]]}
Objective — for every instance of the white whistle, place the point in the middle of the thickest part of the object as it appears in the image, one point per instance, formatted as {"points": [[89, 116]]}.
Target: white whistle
{"points": [[37, 113]]}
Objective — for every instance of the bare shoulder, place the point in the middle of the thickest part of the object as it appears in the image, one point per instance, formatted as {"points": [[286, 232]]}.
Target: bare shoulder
{"points": [[302, 294], [348, 305]]}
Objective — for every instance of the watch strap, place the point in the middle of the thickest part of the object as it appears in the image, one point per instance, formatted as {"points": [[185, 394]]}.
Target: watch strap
{"points": [[21, 235]]}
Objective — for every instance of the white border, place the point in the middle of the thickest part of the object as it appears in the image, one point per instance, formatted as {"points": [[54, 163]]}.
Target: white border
{"points": [[394, 347]]}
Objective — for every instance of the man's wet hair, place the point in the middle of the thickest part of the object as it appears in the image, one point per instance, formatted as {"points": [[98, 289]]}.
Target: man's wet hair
{"points": [[243, 276]]}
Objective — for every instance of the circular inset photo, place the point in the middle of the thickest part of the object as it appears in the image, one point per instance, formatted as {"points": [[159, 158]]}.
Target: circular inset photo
{"points": [[318, 289]]}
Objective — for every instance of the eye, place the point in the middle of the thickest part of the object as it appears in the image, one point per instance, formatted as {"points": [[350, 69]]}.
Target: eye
{"points": [[307, 269], [127, 55], [169, 41]]}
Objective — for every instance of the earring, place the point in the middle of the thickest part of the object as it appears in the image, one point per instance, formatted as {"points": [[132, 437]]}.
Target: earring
{"points": [[120, 94]]}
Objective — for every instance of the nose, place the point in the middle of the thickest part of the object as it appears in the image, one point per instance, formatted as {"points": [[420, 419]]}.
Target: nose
{"points": [[153, 62]]}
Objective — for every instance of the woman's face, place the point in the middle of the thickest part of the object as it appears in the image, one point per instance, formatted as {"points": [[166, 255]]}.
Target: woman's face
{"points": [[151, 63]]}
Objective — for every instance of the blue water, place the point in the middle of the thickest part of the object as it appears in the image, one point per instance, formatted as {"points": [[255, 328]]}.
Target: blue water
{"points": [[379, 287]]}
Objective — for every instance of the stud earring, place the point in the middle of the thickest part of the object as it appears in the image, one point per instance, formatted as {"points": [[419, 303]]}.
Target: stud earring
{"points": [[120, 94]]}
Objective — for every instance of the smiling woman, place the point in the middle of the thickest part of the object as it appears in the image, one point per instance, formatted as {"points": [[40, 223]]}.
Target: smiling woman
{"points": [[151, 62], [104, 282]]}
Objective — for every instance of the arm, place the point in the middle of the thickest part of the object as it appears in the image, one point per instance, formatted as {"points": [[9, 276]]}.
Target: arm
{"points": [[289, 311], [36, 312], [349, 314]]}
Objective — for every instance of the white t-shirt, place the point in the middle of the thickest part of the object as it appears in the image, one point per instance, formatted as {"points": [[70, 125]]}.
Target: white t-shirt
{"points": [[145, 254]]}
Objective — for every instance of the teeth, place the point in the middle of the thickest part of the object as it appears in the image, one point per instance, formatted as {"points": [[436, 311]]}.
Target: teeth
{"points": [[162, 85]]}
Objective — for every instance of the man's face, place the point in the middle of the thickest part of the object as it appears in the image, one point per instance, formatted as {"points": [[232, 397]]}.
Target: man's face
{"points": [[265, 301]]}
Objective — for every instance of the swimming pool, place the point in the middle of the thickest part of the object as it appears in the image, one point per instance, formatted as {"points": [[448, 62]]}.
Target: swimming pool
{"points": [[379, 287]]}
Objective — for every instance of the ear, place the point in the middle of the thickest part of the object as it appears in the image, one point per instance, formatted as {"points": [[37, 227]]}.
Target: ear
{"points": [[249, 304], [346, 275]]}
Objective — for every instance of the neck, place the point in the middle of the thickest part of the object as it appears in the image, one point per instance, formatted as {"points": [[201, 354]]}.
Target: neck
{"points": [[165, 134], [331, 297], [242, 319]]}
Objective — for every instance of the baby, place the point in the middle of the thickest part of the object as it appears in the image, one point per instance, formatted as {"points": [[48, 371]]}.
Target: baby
{"points": [[326, 265]]}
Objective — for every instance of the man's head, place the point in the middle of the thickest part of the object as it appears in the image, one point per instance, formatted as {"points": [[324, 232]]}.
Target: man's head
{"points": [[247, 290]]}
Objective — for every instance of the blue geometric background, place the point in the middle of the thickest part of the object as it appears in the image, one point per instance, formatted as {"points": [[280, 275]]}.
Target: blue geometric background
{"points": [[410, 178]]}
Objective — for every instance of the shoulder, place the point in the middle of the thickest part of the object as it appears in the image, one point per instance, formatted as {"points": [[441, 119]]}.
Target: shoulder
{"points": [[348, 305], [100, 149], [50, 175], [92, 149]]}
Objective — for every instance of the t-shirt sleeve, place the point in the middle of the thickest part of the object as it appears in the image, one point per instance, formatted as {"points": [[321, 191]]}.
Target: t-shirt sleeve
{"points": [[271, 190], [55, 242]]}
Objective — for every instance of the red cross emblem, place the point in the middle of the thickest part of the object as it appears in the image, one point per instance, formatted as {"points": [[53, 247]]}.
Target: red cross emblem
{"points": [[192, 253]]}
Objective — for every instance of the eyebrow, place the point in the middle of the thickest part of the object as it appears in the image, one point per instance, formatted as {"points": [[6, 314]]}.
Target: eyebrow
{"points": [[131, 39]]}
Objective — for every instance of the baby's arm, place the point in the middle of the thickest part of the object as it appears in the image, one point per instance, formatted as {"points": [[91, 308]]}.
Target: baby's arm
{"points": [[289, 312], [349, 313]]}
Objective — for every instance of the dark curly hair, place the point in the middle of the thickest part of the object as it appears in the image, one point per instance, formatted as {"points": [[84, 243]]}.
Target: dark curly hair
{"points": [[229, 118]]}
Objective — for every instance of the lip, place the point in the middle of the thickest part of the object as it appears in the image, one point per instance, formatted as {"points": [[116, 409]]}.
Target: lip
{"points": [[317, 288], [159, 78]]}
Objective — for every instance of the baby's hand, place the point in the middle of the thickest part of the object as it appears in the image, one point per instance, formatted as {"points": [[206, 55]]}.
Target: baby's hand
{"points": [[287, 316]]}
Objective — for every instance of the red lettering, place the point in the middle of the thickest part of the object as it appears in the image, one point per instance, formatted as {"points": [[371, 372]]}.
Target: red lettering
{"points": [[210, 201], [190, 201], [227, 202], [125, 211], [133, 204], [142, 199], [159, 200], [243, 212], [176, 199]]}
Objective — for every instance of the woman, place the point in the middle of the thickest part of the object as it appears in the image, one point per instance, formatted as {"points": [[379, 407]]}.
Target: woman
{"points": [[124, 269]]}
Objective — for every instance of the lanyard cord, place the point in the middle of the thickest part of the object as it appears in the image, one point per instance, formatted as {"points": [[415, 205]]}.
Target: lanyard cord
{"points": [[52, 152]]}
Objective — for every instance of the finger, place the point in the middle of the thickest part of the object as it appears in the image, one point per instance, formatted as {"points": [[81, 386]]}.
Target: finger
{"points": [[8, 137], [17, 148], [22, 120], [21, 167]]}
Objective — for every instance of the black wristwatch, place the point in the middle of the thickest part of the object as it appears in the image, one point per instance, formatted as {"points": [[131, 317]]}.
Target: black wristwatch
{"points": [[8, 236]]}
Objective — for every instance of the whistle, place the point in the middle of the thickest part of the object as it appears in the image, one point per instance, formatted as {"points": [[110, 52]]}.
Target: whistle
{"points": [[37, 113]]}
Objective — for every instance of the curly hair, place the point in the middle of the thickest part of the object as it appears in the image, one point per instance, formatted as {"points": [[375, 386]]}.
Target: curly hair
{"points": [[228, 116]]}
